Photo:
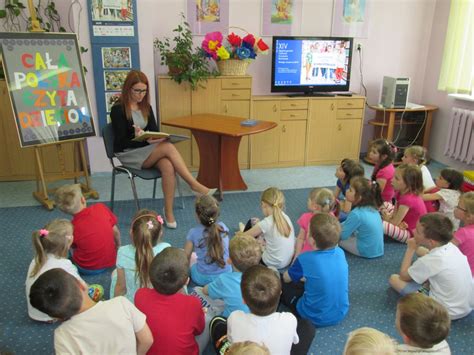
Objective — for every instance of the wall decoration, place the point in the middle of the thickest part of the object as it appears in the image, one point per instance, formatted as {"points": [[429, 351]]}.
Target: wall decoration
{"points": [[281, 17], [208, 15], [112, 18], [114, 79], [110, 99], [351, 18], [116, 57]]}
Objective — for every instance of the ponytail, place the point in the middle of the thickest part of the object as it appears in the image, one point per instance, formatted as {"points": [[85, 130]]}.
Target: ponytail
{"points": [[367, 191], [207, 210], [275, 199], [146, 231], [55, 238], [325, 199]]}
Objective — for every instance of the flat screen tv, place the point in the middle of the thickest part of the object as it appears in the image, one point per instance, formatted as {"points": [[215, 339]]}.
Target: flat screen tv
{"points": [[311, 65]]}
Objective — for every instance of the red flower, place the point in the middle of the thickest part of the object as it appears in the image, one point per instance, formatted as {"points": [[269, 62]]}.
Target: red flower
{"points": [[262, 46], [250, 39], [234, 40]]}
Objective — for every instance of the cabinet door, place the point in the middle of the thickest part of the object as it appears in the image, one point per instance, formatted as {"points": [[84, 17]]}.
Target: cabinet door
{"points": [[175, 101], [292, 141], [239, 109], [321, 145], [205, 100], [264, 146], [347, 138]]}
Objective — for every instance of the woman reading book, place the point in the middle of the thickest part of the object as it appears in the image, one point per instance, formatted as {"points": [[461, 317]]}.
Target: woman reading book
{"points": [[132, 116]]}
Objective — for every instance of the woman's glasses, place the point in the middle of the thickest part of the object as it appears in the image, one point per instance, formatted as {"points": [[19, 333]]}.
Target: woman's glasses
{"points": [[140, 91]]}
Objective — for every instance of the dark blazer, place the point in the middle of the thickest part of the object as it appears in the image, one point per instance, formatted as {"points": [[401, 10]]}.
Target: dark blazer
{"points": [[124, 131]]}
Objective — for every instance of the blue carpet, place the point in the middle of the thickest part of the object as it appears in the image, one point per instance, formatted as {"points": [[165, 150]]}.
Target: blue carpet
{"points": [[372, 302]]}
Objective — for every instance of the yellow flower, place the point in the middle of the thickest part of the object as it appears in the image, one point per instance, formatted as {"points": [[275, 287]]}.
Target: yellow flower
{"points": [[222, 53], [213, 45]]}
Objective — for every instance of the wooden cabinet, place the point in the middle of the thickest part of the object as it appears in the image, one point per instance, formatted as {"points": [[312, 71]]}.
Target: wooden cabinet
{"points": [[229, 95], [310, 130], [18, 163]]}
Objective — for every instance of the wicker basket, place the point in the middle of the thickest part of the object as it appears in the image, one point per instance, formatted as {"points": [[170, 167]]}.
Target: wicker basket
{"points": [[233, 66]]}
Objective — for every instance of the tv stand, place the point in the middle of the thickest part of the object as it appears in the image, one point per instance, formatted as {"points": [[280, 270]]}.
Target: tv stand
{"points": [[312, 94]]}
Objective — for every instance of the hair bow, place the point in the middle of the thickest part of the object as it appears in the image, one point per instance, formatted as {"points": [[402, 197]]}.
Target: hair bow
{"points": [[43, 232], [159, 219], [149, 224]]}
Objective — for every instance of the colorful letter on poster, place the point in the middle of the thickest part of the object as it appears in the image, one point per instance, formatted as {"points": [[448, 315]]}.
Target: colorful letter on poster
{"points": [[47, 87]]}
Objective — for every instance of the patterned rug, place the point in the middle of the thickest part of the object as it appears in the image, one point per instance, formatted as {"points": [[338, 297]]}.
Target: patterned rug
{"points": [[372, 302]]}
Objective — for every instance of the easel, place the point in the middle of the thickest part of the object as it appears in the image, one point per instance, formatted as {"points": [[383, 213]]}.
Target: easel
{"points": [[80, 169], [79, 159]]}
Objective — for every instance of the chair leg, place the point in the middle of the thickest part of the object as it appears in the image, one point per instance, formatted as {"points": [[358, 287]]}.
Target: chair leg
{"points": [[112, 192], [180, 191], [154, 188], [134, 190]]}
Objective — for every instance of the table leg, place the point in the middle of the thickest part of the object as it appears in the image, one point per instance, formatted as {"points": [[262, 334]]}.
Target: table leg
{"points": [[426, 134], [230, 171], [391, 126]]}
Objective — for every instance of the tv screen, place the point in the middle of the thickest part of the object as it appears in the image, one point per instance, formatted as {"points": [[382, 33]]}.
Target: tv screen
{"points": [[311, 64]]}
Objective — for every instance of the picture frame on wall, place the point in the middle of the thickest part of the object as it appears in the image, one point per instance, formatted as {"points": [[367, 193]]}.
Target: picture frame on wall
{"points": [[110, 99], [208, 16], [116, 57], [114, 79], [351, 18], [281, 17]]}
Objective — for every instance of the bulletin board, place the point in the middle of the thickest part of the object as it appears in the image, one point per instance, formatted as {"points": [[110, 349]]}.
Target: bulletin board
{"points": [[47, 89]]}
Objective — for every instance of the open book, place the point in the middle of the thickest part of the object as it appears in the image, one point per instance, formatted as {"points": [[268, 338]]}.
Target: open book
{"points": [[173, 138]]}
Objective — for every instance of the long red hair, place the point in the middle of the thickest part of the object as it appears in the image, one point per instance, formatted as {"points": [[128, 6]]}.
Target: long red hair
{"points": [[135, 77]]}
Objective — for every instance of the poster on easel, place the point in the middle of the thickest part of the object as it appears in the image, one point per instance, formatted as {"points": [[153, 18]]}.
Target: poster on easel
{"points": [[47, 88]]}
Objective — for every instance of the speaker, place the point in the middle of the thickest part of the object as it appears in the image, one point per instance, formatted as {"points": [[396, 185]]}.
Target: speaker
{"points": [[394, 92]]}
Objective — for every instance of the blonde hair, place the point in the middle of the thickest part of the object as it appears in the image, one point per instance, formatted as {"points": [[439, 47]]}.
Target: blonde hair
{"points": [[369, 341], [54, 238], [248, 348], [146, 230], [274, 198], [323, 198], [68, 198], [244, 251], [418, 153], [468, 199]]}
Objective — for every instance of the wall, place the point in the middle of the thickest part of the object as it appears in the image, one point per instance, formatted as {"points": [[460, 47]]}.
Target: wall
{"points": [[433, 95], [396, 30]]}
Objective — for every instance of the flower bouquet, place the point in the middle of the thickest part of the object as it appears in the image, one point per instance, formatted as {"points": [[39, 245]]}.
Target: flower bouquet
{"points": [[233, 56]]}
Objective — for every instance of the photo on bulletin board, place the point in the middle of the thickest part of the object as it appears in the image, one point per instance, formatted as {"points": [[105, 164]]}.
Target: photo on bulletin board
{"points": [[116, 57], [208, 16], [281, 17], [114, 79], [46, 85], [351, 18], [110, 99], [112, 18]]}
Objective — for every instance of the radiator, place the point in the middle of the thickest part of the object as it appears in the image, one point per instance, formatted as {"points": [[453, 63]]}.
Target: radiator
{"points": [[460, 143]]}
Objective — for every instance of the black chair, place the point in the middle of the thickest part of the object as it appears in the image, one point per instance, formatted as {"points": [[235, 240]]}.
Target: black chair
{"points": [[146, 174]]}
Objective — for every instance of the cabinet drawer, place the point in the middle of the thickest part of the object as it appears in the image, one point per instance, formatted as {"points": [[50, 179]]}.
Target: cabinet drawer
{"points": [[293, 115], [235, 94], [294, 104], [237, 83], [350, 113], [350, 103]]}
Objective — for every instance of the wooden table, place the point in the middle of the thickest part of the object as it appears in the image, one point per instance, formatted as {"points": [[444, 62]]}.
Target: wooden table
{"points": [[381, 121], [218, 138]]}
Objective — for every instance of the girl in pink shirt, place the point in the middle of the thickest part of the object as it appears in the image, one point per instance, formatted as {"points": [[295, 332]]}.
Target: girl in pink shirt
{"points": [[408, 182], [319, 200], [381, 153], [464, 236]]}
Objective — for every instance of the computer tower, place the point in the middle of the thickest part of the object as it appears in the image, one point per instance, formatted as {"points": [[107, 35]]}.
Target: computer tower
{"points": [[394, 92]]}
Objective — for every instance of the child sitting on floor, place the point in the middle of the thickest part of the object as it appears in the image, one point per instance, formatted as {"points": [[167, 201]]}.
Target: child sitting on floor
{"points": [[464, 236], [444, 266], [408, 183], [51, 245], [381, 153], [320, 200], [210, 241], [449, 182], [133, 260], [107, 327], [175, 319], [345, 172], [423, 324], [277, 230], [362, 231], [369, 341], [245, 252], [96, 235], [316, 287]]}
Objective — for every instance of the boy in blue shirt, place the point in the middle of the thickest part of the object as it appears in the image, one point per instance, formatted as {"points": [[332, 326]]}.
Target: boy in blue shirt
{"points": [[244, 252], [316, 287]]}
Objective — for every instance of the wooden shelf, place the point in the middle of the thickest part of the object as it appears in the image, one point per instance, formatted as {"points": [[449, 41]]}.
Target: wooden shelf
{"points": [[397, 123]]}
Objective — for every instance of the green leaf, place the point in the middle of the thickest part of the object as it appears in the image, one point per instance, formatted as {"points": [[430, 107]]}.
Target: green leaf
{"points": [[3, 14]]}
